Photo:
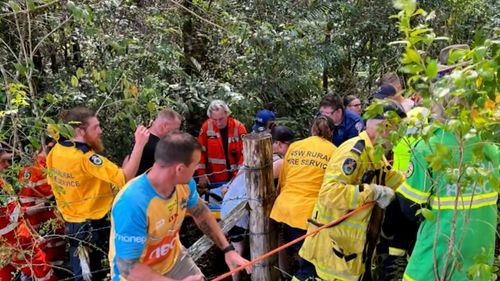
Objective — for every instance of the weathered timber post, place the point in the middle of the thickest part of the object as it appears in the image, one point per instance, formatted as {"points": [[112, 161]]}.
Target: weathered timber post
{"points": [[258, 155]]}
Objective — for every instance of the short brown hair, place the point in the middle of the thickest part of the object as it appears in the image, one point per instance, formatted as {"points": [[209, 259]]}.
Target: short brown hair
{"points": [[77, 117], [176, 147], [331, 100], [390, 78]]}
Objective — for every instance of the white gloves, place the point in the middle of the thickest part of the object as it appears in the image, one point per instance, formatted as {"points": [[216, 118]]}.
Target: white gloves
{"points": [[383, 195]]}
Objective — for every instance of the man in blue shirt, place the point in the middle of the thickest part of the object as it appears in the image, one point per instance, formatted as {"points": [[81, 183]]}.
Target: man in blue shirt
{"points": [[347, 123]]}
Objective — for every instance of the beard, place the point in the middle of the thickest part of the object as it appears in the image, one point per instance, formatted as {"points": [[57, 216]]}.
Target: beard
{"points": [[95, 143]]}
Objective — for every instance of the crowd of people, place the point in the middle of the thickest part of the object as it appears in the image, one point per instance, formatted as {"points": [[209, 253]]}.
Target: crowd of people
{"points": [[130, 216]]}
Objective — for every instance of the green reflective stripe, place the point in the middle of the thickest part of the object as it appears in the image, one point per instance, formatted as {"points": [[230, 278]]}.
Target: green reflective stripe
{"points": [[396, 252], [355, 197], [413, 194], [217, 161], [406, 277], [464, 202]]}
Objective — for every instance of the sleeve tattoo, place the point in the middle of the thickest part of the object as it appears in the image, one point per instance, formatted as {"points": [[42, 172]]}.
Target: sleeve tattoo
{"points": [[125, 266], [198, 212]]}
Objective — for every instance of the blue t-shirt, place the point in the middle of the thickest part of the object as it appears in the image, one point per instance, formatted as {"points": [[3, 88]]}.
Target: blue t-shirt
{"points": [[350, 127], [145, 225]]}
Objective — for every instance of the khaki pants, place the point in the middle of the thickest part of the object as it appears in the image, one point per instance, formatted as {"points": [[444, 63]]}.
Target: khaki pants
{"points": [[183, 267]]}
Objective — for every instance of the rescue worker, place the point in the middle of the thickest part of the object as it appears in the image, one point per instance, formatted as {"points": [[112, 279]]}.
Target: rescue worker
{"points": [[353, 104], [347, 123], [264, 121], [398, 234], [82, 181], [19, 249], [220, 137], [299, 182], [36, 195], [354, 176], [168, 120], [464, 210]]}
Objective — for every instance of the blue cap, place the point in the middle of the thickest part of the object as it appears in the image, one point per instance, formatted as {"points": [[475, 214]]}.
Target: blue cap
{"points": [[261, 120], [384, 91]]}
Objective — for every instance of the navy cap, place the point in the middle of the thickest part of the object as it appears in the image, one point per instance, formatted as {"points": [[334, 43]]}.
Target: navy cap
{"points": [[261, 120], [384, 91], [283, 134]]}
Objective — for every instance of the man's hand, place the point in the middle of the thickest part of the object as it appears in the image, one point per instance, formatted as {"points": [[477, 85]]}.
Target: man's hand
{"points": [[234, 260], [203, 181], [198, 277], [141, 136]]}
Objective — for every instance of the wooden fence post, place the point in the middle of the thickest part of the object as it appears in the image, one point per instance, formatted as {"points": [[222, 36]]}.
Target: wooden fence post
{"points": [[261, 193]]}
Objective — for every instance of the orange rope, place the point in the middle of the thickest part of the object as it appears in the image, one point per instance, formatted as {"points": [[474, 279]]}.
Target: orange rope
{"points": [[284, 246]]}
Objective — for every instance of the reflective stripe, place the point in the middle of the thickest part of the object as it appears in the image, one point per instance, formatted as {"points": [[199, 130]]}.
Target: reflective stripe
{"points": [[14, 221], [361, 225], [335, 178], [464, 202], [217, 161], [234, 167], [46, 277], [14, 217], [392, 182], [202, 166], [333, 275], [203, 148], [235, 130], [29, 199], [355, 197], [396, 252], [413, 194], [8, 228], [407, 278], [210, 131], [36, 183]]}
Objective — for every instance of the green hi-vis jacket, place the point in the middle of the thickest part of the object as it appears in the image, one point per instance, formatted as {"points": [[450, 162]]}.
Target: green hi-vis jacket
{"points": [[340, 252], [472, 203]]}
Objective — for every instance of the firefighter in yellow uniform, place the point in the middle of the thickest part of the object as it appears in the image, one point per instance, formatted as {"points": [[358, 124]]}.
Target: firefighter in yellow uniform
{"points": [[82, 181], [353, 177]]}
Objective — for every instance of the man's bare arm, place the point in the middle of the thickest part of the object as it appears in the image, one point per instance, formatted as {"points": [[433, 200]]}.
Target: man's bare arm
{"points": [[207, 224]]}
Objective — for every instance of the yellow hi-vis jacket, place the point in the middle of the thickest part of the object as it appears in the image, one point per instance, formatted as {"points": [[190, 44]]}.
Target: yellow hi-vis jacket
{"points": [[340, 252]]}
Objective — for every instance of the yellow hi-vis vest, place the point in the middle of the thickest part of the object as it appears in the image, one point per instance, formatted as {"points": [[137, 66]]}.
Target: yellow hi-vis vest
{"points": [[340, 252]]}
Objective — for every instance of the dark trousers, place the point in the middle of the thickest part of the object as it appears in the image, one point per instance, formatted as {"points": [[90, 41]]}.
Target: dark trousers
{"points": [[306, 269], [94, 234]]}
